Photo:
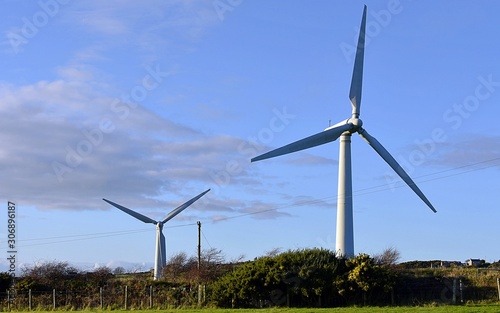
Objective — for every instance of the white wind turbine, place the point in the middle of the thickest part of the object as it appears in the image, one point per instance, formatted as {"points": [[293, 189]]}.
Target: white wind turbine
{"points": [[344, 130], [161, 251]]}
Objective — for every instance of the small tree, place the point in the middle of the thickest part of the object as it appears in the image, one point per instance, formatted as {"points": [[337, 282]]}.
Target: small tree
{"points": [[176, 267], [389, 257], [100, 276]]}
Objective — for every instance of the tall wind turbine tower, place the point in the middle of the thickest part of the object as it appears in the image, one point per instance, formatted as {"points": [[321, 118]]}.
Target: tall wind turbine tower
{"points": [[161, 251], [344, 130]]}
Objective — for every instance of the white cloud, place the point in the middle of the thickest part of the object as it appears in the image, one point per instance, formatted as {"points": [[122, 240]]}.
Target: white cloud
{"points": [[56, 155]]}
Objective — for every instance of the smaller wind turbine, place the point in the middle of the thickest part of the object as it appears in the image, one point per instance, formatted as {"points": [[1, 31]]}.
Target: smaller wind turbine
{"points": [[161, 251], [344, 130]]}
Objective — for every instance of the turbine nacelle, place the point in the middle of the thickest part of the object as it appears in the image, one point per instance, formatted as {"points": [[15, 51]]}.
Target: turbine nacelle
{"points": [[354, 123]]}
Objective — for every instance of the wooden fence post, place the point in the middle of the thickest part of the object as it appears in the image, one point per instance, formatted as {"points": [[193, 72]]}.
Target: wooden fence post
{"points": [[54, 298], [100, 298], [454, 291], [29, 299], [498, 286], [150, 296], [126, 295]]}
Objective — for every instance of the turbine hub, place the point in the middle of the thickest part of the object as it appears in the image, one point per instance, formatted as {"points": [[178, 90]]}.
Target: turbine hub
{"points": [[356, 122]]}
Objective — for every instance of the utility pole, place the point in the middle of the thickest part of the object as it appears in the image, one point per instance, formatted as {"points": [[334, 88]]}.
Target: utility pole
{"points": [[199, 246], [199, 262]]}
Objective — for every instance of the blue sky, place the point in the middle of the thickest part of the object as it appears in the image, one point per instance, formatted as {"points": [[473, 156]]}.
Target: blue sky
{"points": [[149, 104]]}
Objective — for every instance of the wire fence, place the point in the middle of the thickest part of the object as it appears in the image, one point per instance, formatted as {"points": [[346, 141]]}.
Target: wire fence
{"points": [[126, 297], [141, 297]]}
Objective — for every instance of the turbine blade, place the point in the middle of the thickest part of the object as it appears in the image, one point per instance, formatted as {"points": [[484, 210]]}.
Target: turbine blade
{"points": [[377, 146], [138, 216], [357, 74], [180, 208], [328, 135]]}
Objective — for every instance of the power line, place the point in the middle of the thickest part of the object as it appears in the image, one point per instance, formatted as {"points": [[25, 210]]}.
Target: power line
{"points": [[418, 178], [79, 237], [205, 237], [364, 191]]}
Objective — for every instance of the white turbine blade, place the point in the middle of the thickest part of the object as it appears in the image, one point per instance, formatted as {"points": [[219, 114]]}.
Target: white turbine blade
{"points": [[395, 166], [180, 208], [328, 135], [357, 74], [138, 216]]}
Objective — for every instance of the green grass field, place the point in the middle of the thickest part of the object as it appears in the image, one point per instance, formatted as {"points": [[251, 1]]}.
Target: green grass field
{"points": [[433, 309], [438, 309]]}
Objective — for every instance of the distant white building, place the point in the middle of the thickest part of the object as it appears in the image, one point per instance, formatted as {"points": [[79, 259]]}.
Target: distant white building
{"points": [[473, 262]]}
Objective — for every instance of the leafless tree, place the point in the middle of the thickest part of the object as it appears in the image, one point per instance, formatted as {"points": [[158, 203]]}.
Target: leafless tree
{"points": [[273, 252], [389, 257], [176, 266]]}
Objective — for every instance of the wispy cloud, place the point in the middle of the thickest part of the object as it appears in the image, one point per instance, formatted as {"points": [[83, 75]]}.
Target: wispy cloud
{"points": [[308, 159], [466, 150], [166, 20], [260, 210]]}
